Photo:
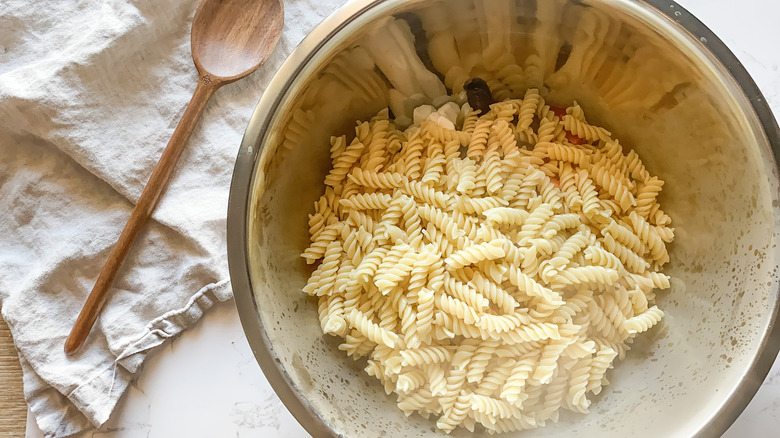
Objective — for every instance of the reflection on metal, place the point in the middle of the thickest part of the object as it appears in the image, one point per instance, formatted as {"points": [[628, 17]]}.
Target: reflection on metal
{"points": [[647, 70]]}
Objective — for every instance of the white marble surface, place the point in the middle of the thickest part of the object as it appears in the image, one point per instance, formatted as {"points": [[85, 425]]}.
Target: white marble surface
{"points": [[232, 397]]}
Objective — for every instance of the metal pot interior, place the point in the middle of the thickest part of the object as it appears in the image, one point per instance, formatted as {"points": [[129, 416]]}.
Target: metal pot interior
{"points": [[658, 89]]}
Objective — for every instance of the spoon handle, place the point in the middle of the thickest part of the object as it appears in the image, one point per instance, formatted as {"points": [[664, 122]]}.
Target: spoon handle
{"points": [[141, 212]]}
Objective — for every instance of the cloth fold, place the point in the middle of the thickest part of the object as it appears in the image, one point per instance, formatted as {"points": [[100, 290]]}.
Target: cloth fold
{"points": [[90, 93]]}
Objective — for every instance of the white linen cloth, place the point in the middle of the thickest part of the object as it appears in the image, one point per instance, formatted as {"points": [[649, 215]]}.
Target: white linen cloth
{"points": [[90, 92]]}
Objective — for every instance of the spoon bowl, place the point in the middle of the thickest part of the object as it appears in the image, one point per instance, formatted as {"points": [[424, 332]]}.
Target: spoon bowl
{"points": [[230, 40]]}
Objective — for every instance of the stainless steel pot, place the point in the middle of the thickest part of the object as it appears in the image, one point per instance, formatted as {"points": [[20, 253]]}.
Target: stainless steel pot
{"points": [[649, 71]]}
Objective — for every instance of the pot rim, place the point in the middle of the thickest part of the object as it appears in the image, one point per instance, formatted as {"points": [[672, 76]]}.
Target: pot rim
{"points": [[252, 145]]}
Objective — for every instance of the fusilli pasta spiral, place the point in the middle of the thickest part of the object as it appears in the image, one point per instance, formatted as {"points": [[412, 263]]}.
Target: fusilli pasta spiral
{"points": [[496, 287]]}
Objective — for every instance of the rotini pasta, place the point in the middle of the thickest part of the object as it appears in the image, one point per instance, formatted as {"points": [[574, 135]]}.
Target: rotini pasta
{"points": [[498, 286], [376, 180], [476, 253]]}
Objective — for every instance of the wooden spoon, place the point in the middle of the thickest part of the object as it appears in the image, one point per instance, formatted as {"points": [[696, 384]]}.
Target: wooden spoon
{"points": [[230, 39]]}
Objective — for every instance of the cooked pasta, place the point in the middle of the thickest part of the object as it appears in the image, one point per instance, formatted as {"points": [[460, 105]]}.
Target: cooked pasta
{"points": [[490, 265]]}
